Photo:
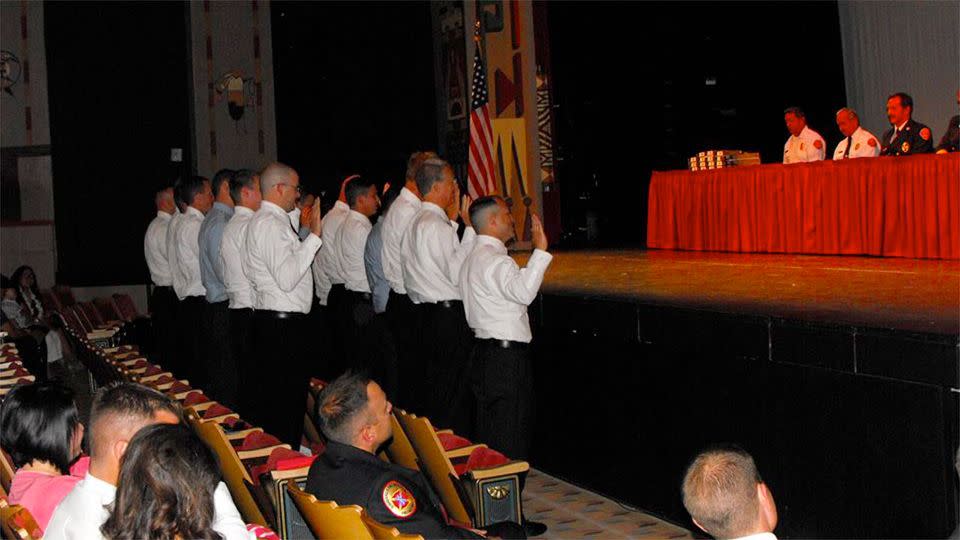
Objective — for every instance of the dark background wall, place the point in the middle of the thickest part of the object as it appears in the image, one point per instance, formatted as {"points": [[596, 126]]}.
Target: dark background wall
{"points": [[631, 84]]}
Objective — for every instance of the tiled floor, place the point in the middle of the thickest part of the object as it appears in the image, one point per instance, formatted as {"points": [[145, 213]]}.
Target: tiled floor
{"points": [[572, 512]]}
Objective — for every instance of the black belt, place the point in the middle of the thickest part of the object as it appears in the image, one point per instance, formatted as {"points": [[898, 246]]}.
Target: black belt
{"points": [[502, 343], [162, 287], [270, 314], [339, 287], [359, 295], [448, 304], [222, 303]]}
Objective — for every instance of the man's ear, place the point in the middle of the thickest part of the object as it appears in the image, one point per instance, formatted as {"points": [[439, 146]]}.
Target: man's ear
{"points": [[768, 507], [119, 448]]}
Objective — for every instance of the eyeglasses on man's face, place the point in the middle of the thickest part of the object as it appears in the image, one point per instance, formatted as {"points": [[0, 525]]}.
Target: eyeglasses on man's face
{"points": [[297, 187]]}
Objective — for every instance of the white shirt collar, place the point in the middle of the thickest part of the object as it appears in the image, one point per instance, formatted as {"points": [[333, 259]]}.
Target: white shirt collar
{"points": [[341, 205], [492, 241], [99, 486], [358, 216], [758, 536], [409, 196], [431, 207], [268, 206], [163, 215], [194, 211], [901, 126], [242, 210], [805, 132]]}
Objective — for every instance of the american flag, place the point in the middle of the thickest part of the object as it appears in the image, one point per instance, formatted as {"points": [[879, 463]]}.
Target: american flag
{"points": [[481, 179]]}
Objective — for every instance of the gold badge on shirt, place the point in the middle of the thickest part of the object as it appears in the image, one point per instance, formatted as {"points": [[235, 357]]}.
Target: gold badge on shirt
{"points": [[857, 147], [905, 147], [398, 499], [801, 146]]}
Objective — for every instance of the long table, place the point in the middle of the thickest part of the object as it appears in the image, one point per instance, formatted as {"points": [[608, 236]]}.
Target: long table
{"points": [[887, 206]]}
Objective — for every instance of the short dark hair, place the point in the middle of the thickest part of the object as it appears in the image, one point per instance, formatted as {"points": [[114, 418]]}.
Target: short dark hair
{"points": [[177, 186], [339, 403], [355, 188], [430, 173], [128, 400], [242, 179], [223, 175], [191, 187], [480, 205], [905, 99], [796, 111], [38, 422], [166, 487], [415, 161], [720, 491]]}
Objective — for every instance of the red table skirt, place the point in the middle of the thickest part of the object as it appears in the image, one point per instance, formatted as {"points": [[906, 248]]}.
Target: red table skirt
{"points": [[889, 206]]}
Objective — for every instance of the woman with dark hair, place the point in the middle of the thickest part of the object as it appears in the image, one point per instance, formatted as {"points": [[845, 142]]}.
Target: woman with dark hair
{"points": [[166, 487], [41, 431], [28, 297]]}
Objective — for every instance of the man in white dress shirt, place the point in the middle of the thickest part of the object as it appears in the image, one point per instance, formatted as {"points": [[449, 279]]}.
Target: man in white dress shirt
{"points": [[119, 411], [163, 301], [726, 497], [347, 250], [329, 289], [198, 200], [804, 143], [496, 293], [858, 142], [432, 256], [401, 315], [278, 265], [245, 192]]}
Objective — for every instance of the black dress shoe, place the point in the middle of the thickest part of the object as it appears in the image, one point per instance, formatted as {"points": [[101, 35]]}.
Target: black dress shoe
{"points": [[533, 528]]}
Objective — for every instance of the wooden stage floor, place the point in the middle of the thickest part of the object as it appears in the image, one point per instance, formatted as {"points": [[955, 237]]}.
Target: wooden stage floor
{"points": [[915, 295]]}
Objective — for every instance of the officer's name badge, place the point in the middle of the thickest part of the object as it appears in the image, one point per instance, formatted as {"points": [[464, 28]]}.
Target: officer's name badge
{"points": [[398, 500], [905, 147]]}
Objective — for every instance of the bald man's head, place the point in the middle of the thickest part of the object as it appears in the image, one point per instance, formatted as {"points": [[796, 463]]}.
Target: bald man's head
{"points": [[847, 121], [279, 185]]}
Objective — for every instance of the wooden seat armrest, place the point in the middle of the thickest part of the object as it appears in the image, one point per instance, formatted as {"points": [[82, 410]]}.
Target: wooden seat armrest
{"points": [[130, 362], [260, 452], [221, 419], [151, 378], [463, 452], [199, 407], [507, 469], [445, 432]]}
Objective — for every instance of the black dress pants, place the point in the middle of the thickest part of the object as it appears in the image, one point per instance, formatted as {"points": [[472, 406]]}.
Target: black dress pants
{"points": [[449, 341], [219, 362], [403, 320], [241, 348], [282, 371], [336, 315], [502, 383], [189, 362]]}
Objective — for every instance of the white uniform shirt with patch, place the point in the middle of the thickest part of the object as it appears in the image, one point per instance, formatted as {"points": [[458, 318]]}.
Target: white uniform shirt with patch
{"points": [[802, 148], [861, 147]]}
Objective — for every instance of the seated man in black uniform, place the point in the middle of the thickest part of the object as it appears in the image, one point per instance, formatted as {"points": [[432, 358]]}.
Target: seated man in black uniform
{"points": [[906, 136], [355, 417]]}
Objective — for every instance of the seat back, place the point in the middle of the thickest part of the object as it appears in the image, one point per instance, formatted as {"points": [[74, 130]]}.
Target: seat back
{"points": [[91, 313], [50, 301], [326, 519], [128, 310], [81, 318], [435, 464], [18, 524], [234, 473], [64, 295], [6, 470], [108, 311], [379, 531], [400, 451]]}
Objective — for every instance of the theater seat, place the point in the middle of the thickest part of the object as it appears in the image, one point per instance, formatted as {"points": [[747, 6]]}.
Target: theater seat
{"points": [[6, 470], [18, 523], [326, 519], [484, 486], [379, 531], [400, 451]]}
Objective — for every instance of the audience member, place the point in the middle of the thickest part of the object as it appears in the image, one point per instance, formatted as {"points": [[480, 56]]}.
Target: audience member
{"points": [[166, 487], [41, 430], [28, 296], [726, 497], [355, 417], [119, 411]]}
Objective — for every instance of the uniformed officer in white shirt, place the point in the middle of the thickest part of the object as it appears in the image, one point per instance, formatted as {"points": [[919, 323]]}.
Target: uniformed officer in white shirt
{"points": [[432, 256], [496, 293], [245, 192], [401, 315], [804, 143], [163, 301], [278, 265], [198, 200], [858, 142], [173, 360], [347, 248]]}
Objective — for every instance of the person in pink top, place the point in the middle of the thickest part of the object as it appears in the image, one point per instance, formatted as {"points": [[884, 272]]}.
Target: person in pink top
{"points": [[41, 431]]}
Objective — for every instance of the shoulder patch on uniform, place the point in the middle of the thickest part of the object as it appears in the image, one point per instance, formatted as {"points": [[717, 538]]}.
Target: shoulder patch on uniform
{"points": [[925, 134], [818, 144], [398, 500], [872, 142]]}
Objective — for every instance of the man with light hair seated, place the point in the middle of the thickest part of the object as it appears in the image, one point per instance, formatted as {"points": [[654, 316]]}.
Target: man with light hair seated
{"points": [[726, 497]]}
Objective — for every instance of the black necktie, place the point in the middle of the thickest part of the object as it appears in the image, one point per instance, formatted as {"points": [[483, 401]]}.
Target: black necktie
{"points": [[846, 153]]}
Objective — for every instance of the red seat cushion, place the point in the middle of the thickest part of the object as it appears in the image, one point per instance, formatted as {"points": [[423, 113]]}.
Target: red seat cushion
{"points": [[194, 398], [481, 458], [281, 459], [141, 363], [258, 439], [449, 441], [152, 370], [164, 380], [179, 388], [216, 410]]}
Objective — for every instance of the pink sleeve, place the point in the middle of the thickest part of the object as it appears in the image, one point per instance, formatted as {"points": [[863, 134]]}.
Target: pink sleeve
{"points": [[80, 467]]}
